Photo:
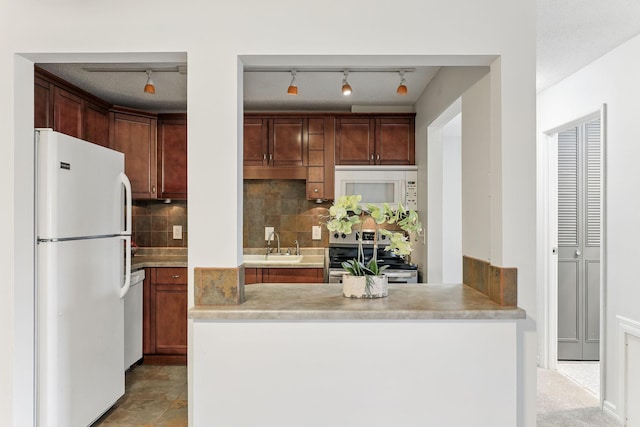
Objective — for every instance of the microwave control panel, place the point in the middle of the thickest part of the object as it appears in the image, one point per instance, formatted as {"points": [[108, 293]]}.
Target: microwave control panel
{"points": [[411, 199]]}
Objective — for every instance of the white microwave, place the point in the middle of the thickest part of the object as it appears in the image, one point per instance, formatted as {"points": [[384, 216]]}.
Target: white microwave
{"points": [[379, 184]]}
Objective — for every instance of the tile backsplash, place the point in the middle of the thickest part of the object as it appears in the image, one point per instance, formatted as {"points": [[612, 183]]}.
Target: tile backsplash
{"points": [[281, 204], [153, 223]]}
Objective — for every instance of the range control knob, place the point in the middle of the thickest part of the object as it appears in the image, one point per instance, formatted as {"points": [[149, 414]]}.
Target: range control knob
{"points": [[383, 237], [344, 236], [336, 235]]}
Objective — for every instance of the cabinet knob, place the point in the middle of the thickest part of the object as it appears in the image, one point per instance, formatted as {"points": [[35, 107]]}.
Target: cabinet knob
{"points": [[175, 276], [315, 190], [270, 156], [153, 189], [378, 156], [372, 157], [264, 156]]}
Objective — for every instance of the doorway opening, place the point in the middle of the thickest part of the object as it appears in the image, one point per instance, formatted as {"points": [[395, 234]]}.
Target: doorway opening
{"points": [[574, 263], [24, 300], [444, 197]]}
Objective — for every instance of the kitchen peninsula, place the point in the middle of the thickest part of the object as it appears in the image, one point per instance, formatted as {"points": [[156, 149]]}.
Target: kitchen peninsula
{"points": [[410, 359]]}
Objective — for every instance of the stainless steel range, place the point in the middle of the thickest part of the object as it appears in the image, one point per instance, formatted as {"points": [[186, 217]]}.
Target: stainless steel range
{"points": [[344, 247]]}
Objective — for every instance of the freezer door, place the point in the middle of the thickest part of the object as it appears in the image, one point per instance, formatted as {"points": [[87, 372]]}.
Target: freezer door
{"points": [[79, 187], [80, 330]]}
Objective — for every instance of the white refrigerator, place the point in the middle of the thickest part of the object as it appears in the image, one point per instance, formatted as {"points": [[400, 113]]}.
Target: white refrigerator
{"points": [[83, 257]]}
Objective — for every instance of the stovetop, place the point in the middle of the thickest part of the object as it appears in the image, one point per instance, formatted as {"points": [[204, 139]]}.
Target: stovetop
{"points": [[340, 254]]}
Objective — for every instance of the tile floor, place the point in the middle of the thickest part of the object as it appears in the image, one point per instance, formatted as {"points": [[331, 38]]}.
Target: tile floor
{"points": [[154, 396]]}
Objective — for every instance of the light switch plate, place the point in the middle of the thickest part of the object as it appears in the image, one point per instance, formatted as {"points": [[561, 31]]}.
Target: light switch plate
{"points": [[316, 232], [267, 233], [177, 232]]}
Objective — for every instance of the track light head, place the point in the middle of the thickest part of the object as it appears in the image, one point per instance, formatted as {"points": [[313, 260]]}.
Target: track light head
{"points": [[346, 87], [149, 87], [293, 86], [402, 88]]}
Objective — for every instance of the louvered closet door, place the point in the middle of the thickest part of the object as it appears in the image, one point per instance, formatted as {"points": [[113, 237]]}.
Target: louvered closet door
{"points": [[579, 180]]}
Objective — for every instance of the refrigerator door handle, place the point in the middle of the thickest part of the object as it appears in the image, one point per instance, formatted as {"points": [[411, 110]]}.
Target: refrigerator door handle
{"points": [[126, 236], [128, 202], [127, 266]]}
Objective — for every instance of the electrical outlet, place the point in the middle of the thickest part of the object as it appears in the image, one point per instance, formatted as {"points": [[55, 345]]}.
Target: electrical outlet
{"points": [[316, 232], [267, 233], [177, 232]]}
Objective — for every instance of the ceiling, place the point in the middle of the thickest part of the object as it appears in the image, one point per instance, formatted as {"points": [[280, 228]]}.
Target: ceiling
{"points": [[574, 33], [571, 34]]}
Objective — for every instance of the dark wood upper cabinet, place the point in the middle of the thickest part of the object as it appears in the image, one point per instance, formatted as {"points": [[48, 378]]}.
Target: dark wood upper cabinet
{"points": [[274, 142], [96, 124], [395, 141], [355, 143], [287, 142], [376, 140], [256, 141], [67, 112], [172, 156], [43, 103], [134, 134]]}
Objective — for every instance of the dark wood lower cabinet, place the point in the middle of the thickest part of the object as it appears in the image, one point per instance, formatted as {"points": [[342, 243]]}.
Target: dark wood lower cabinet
{"points": [[283, 275], [165, 316]]}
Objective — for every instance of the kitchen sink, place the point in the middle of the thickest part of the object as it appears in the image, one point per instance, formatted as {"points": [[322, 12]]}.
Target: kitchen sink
{"points": [[271, 259]]}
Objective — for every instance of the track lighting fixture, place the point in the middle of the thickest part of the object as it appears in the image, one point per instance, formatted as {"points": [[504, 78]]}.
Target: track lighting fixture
{"points": [[149, 87], [402, 89], [293, 86], [346, 87]]}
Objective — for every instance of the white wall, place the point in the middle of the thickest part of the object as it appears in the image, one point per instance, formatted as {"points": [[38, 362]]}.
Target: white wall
{"points": [[612, 79], [448, 368], [477, 167], [452, 201], [444, 199], [455, 32]]}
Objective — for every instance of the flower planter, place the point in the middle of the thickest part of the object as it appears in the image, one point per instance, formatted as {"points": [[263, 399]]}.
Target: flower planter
{"points": [[365, 286]]}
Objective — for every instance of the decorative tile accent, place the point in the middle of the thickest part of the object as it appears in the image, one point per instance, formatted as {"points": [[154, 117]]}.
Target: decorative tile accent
{"points": [[219, 286], [503, 285], [498, 283]]}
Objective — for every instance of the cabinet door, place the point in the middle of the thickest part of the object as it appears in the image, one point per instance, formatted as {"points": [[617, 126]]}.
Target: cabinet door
{"points": [[172, 158], [287, 143], [395, 143], [354, 141], [292, 275], [67, 113], [135, 136], [96, 124], [256, 141], [252, 275], [170, 306], [43, 104]]}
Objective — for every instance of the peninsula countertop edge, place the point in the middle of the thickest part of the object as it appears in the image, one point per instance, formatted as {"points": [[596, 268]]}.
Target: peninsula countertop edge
{"points": [[317, 302]]}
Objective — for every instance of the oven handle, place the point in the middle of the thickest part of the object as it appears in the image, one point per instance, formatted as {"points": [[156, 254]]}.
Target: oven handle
{"points": [[338, 273], [398, 275]]}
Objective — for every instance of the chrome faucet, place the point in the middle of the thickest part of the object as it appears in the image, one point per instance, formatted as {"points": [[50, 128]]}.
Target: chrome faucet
{"points": [[269, 243], [297, 247]]}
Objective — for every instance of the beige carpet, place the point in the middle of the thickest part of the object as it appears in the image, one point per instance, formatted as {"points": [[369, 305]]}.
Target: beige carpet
{"points": [[563, 403]]}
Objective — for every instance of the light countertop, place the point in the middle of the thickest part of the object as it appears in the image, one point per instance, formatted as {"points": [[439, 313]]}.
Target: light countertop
{"points": [[159, 257], [275, 301]]}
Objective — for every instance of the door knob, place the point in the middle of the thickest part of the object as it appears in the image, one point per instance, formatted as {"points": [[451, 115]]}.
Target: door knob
{"points": [[578, 252]]}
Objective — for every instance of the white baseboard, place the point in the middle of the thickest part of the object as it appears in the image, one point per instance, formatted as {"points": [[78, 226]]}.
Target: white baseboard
{"points": [[610, 408]]}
